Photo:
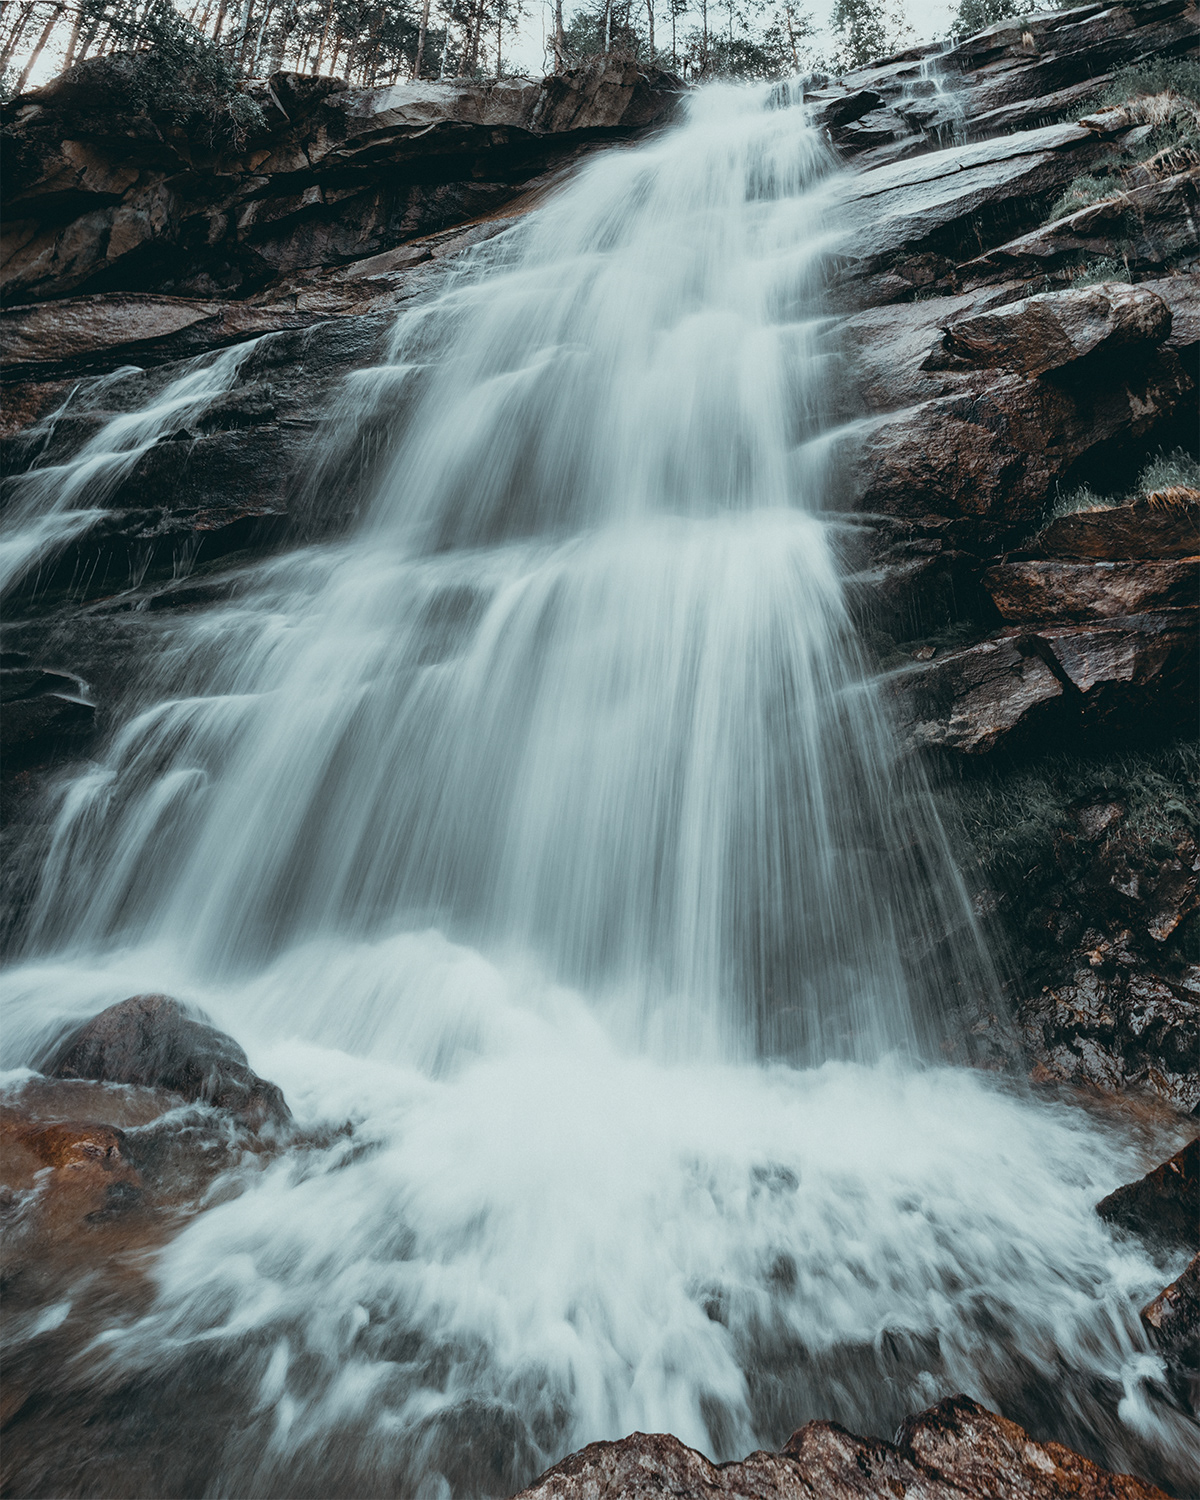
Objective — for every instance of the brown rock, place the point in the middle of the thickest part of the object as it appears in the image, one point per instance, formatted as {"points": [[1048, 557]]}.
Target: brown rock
{"points": [[153, 1041], [1169, 227], [1055, 329], [100, 197], [992, 446], [1122, 531], [971, 701], [991, 1458], [954, 1450], [1053, 590], [1173, 1320], [1163, 1205], [1130, 663], [61, 1176]]}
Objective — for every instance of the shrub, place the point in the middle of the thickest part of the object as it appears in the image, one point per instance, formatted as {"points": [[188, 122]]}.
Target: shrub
{"points": [[1081, 193], [175, 73]]}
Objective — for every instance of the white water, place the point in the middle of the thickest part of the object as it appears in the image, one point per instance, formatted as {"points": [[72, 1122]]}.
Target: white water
{"points": [[548, 830], [50, 506]]}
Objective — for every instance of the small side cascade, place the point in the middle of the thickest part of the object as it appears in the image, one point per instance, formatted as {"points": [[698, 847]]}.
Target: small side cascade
{"points": [[50, 505]]}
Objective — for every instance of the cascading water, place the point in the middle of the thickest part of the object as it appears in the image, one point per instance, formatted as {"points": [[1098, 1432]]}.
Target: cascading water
{"points": [[52, 505], [547, 828]]}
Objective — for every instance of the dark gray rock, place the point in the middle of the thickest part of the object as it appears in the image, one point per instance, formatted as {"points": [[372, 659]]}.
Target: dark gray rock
{"points": [[1164, 1205], [152, 1041]]}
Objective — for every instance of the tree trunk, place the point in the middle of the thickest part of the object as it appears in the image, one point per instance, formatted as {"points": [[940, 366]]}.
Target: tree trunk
{"points": [[324, 36], [473, 44], [445, 52], [607, 26], [41, 46], [650, 19], [15, 35], [420, 58], [258, 41], [560, 39]]}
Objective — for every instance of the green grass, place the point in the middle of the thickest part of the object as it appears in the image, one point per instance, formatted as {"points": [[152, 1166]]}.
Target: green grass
{"points": [[1161, 93], [1177, 468], [1012, 818], [1174, 75], [1164, 471], [1082, 192]]}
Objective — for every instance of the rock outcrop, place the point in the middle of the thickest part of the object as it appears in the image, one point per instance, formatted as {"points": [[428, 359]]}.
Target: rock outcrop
{"points": [[99, 196], [954, 1450]]}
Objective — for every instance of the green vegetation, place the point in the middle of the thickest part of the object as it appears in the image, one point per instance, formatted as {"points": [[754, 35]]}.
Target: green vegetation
{"points": [[1011, 817], [1162, 99], [1082, 192], [1164, 471], [174, 72], [1103, 268]]}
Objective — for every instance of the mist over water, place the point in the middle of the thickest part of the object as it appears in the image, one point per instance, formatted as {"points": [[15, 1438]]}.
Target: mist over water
{"points": [[547, 827]]}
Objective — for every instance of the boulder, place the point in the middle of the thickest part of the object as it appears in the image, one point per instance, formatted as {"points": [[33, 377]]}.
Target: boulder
{"points": [[1172, 1320], [154, 1042], [973, 700], [993, 445], [1054, 329], [1129, 674], [1165, 1204], [954, 1450]]}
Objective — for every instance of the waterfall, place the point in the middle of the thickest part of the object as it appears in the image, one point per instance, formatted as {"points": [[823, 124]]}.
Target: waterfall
{"points": [[548, 827]]}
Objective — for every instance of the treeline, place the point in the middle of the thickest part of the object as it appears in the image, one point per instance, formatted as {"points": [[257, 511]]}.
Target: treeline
{"points": [[372, 42], [223, 42]]}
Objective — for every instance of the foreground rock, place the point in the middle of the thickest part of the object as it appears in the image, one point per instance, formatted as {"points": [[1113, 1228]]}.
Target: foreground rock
{"points": [[1165, 1204], [1173, 1322], [148, 1109], [954, 1450], [151, 1041]]}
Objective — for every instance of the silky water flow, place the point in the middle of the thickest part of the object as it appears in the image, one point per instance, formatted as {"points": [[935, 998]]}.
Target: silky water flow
{"points": [[548, 829]]}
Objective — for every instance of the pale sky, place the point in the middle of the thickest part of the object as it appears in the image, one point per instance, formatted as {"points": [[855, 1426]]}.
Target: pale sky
{"points": [[928, 18]]}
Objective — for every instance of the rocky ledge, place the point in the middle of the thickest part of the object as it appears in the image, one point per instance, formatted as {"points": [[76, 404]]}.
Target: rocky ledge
{"points": [[954, 1450], [101, 195]]}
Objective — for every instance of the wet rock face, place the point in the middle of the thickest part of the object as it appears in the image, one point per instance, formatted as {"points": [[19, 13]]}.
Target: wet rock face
{"points": [[1054, 329], [1095, 910], [151, 1041], [1165, 1204], [954, 1450], [100, 198], [1172, 1320]]}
